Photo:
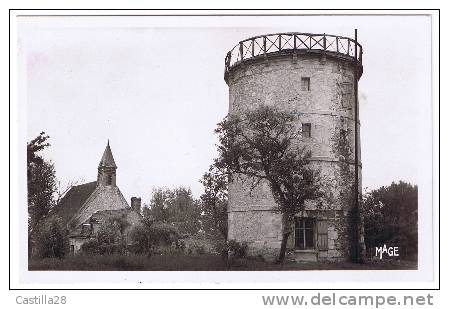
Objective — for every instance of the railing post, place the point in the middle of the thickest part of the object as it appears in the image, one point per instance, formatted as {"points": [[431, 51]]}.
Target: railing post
{"points": [[264, 45], [252, 47], [233, 59]]}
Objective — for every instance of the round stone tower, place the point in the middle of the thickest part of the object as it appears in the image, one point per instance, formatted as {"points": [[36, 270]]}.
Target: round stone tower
{"points": [[314, 76]]}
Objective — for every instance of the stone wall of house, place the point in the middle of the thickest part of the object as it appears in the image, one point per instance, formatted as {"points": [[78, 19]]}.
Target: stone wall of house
{"points": [[329, 107]]}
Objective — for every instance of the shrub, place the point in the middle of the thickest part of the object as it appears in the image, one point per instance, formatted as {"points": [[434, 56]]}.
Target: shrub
{"points": [[96, 246], [52, 240], [91, 247], [391, 218], [108, 239], [149, 235], [237, 249], [197, 249], [222, 249]]}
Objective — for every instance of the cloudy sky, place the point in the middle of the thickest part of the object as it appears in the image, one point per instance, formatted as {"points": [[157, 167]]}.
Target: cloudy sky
{"points": [[154, 87]]}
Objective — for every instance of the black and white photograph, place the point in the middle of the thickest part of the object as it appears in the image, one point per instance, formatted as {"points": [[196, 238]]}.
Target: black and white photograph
{"points": [[300, 145]]}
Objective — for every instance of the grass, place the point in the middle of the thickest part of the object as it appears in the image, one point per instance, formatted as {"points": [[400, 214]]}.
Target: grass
{"points": [[205, 262]]}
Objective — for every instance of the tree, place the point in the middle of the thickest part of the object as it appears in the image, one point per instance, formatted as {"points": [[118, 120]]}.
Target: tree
{"points": [[52, 240], [391, 217], [158, 208], [263, 144], [152, 233], [214, 203], [177, 207], [41, 184]]}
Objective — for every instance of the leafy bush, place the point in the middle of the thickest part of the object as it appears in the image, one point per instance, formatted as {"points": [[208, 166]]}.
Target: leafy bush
{"points": [[232, 249], [222, 249], [150, 234], [237, 249], [95, 246], [109, 239], [197, 249], [391, 218], [176, 207], [91, 247], [52, 240]]}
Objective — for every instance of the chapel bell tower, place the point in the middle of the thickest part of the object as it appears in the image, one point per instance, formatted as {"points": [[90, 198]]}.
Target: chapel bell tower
{"points": [[107, 169]]}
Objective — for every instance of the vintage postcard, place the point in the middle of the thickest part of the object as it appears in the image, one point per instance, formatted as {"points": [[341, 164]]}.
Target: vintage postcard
{"points": [[295, 144]]}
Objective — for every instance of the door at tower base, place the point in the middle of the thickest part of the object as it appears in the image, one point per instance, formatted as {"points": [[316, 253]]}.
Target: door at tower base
{"points": [[315, 235]]}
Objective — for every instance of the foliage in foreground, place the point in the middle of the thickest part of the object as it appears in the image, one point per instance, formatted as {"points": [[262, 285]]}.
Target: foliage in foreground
{"points": [[264, 144], [41, 185], [391, 218], [52, 240]]}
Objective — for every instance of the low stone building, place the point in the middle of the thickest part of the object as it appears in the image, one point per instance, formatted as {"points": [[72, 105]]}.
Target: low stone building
{"points": [[85, 207]]}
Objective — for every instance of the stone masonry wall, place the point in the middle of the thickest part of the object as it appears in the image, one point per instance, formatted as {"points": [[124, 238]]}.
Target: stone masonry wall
{"points": [[329, 107]]}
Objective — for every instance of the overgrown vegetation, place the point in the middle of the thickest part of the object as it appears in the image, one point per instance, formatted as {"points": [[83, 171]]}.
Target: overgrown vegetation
{"points": [[52, 240], [46, 238], [110, 238], [41, 184], [345, 176], [391, 218], [176, 207], [150, 235], [264, 144], [214, 204]]}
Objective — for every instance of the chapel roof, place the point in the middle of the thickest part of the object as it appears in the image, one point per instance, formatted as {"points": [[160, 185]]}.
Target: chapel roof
{"points": [[72, 201]]}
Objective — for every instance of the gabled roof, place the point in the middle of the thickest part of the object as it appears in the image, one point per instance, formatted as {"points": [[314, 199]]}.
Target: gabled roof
{"points": [[103, 198], [107, 160], [73, 200]]}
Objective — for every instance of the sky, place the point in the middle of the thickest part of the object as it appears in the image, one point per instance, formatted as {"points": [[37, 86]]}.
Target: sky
{"points": [[154, 87]]}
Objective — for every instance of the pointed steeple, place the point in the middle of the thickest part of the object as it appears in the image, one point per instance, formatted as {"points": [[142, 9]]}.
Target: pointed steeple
{"points": [[107, 168], [107, 159]]}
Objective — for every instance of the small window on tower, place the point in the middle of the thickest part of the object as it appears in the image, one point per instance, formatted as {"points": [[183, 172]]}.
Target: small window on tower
{"points": [[109, 180], [305, 83], [306, 130]]}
